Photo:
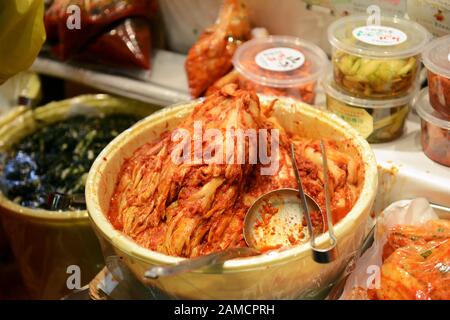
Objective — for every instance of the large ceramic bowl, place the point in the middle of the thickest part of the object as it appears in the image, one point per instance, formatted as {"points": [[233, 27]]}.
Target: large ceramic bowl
{"points": [[4, 119], [285, 274], [49, 244]]}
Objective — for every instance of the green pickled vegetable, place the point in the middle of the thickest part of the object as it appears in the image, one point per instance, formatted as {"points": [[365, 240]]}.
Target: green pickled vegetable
{"points": [[371, 78]]}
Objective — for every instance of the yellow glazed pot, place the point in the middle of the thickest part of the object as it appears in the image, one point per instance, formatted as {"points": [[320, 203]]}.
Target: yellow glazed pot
{"points": [[285, 274], [5, 119], [45, 243]]}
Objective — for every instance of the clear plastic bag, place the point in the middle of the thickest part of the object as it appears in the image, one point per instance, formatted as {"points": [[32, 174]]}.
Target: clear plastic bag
{"points": [[409, 258], [112, 32]]}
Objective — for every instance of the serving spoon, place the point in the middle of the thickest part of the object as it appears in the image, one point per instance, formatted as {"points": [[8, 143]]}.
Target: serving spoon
{"points": [[286, 226], [274, 220], [59, 201]]}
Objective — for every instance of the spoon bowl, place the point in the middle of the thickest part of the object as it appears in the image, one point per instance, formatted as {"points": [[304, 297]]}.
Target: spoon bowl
{"points": [[276, 219]]}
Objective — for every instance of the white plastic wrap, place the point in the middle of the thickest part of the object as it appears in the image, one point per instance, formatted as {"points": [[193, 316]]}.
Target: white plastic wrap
{"points": [[406, 212]]}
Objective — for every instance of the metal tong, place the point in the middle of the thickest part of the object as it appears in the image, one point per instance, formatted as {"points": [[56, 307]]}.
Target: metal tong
{"points": [[327, 254]]}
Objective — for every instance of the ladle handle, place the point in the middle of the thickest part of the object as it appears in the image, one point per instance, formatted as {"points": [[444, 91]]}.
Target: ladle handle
{"points": [[209, 260]]}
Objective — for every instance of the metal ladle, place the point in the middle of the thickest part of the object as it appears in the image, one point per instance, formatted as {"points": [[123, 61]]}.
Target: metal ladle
{"points": [[287, 220]]}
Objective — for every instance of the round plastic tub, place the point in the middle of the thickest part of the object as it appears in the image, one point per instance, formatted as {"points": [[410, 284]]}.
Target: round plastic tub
{"points": [[284, 274], [46, 243], [376, 61], [435, 134], [281, 66], [436, 59], [378, 120]]}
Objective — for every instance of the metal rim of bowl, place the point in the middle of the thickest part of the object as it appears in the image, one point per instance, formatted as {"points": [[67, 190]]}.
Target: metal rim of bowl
{"points": [[126, 245]]}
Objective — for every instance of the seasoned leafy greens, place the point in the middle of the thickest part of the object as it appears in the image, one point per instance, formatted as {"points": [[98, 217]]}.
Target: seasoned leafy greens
{"points": [[57, 158]]}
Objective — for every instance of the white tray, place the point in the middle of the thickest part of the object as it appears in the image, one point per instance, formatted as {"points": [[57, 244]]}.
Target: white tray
{"points": [[166, 83]]}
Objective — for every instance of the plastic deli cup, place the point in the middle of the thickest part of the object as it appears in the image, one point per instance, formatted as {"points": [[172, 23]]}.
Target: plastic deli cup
{"points": [[378, 120], [281, 66], [435, 130], [436, 59], [376, 61]]}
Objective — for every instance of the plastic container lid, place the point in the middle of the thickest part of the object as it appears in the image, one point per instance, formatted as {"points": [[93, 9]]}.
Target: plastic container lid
{"points": [[427, 113], [436, 56], [332, 90], [393, 38], [280, 61]]}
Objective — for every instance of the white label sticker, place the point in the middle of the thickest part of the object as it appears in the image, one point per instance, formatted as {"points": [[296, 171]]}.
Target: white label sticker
{"points": [[380, 35], [280, 59]]}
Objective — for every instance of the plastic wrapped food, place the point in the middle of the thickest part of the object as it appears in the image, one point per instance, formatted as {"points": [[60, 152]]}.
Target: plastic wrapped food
{"points": [[210, 57], [436, 59], [113, 32], [435, 134], [410, 257], [372, 61], [281, 66], [378, 120], [113, 47]]}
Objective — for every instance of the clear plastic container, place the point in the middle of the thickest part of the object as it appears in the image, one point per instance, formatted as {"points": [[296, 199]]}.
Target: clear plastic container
{"points": [[436, 59], [376, 61], [435, 135], [281, 66], [378, 120]]}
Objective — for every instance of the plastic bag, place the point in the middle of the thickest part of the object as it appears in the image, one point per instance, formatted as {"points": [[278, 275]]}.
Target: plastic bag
{"points": [[407, 260], [106, 27], [209, 59], [21, 35], [131, 31]]}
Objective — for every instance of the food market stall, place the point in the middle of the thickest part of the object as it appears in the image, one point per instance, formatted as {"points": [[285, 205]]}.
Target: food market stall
{"points": [[139, 180]]}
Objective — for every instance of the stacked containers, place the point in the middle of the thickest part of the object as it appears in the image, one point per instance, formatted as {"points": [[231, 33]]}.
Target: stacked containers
{"points": [[281, 66], [375, 73], [433, 104]]}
